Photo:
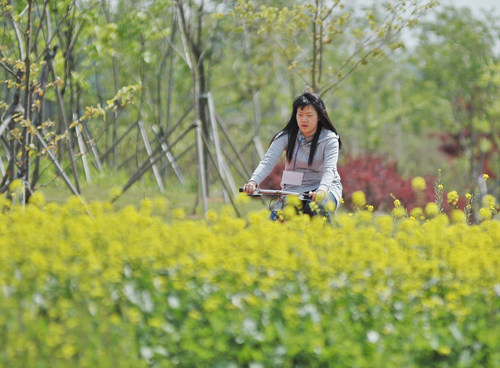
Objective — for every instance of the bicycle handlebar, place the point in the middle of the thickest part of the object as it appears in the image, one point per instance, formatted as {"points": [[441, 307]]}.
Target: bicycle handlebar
{"points": [[274, 192]]}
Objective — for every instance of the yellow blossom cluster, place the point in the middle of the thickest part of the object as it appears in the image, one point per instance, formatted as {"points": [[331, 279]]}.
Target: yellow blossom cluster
{"points": [[359, 199], [418, 183], [453, 197], [92, 286]]}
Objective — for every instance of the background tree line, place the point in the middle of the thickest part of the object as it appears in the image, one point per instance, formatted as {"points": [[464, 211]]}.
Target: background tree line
{"points": [[111, 86]]}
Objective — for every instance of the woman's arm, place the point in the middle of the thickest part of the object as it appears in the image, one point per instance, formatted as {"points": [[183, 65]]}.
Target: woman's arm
{"points": [[331, 155], [270, 159]]}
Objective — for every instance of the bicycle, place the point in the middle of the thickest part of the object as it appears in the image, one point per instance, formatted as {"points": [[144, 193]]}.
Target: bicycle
{"points": [[306, 206]]}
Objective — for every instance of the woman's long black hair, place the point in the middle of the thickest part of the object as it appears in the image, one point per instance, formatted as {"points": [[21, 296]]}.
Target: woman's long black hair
{"points": [[292, 127]]}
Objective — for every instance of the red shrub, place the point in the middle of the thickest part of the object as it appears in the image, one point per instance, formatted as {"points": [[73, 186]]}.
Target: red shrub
{"points": [[452, 148], [378, 177]]}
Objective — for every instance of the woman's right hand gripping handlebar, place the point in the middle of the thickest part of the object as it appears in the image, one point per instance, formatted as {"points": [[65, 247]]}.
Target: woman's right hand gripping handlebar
{"points": [[250, 187]]}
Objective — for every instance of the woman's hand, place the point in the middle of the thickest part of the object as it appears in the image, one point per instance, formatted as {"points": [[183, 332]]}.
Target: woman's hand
{"points": [[317, 196], [250, 187]]}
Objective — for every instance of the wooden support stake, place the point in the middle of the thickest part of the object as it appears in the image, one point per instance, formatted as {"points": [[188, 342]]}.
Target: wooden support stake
{"points": [[234, 149], [221, 162], [58, 166], [170, 156], [149, 151], [93, 147], [148, 163], [258, 146], [219, 174], [83, 151], [2, 167], [66, 125], [201, 166]]}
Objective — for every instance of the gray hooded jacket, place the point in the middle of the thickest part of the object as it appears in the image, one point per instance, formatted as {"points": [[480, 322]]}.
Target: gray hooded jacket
{"points": [[321, 175]]}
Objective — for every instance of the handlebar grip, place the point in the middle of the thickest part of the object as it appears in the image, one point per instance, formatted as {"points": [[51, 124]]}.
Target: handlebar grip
{"points": [[241, 190]]}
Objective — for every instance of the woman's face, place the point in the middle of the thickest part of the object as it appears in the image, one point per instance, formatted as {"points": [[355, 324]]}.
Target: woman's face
{"points": [[307, 119]]}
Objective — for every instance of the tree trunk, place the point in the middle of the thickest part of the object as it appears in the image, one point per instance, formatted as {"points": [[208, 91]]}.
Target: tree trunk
{"points": [[192, 57], [25, 163]]}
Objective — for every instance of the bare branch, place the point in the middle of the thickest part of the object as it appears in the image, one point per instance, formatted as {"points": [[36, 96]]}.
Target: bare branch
{"points": [[9, 69], [51, 34], [369, 42], [40, 27], [167, 38]]}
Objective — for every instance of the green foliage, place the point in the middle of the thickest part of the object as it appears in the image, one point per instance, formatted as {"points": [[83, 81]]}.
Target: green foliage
{"points": [[305, 34], [457, 64]]}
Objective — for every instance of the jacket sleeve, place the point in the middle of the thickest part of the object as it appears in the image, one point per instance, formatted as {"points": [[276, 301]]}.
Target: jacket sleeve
{"points": [[331, 155], [270, 159]]}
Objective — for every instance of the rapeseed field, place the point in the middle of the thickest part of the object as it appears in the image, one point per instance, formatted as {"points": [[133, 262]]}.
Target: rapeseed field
{"points": [[93, 286]]}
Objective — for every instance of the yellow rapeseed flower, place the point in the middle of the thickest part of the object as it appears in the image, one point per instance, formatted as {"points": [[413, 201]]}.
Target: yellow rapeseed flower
{"points": [[179, 214], [4, 202], [399, 212], [68, 350], [431, 209], [458, 217], [485, 214], [115, 319], [418, 183], [212, 215], [453, 197], [160, 205], [417, 212], [385, 224], [489, 201], [330, 206], [444, 350], [194, 314], [486, 176], [37, 199], [289, 211], [358, 199], [294, 201], [242, 198], [155, 322], [134, 315], [15, 184], [146, 206], [115, 192], [314, 206]]}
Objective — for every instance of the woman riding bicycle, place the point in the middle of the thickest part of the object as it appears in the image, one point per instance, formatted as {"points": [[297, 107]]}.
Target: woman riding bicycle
{"points": [[312, 146]]}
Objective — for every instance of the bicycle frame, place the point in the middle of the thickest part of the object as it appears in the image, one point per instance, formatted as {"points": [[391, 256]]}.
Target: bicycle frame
{"points": [[303, 197]]}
